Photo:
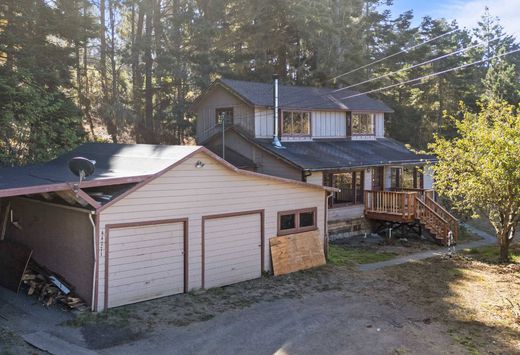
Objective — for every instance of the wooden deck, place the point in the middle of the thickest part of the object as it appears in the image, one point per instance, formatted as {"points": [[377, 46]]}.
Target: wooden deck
{"points": [[412, 206]]}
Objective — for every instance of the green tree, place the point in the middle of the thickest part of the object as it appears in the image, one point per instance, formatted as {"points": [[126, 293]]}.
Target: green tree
{"points": [[38, 118], [480, 169]]}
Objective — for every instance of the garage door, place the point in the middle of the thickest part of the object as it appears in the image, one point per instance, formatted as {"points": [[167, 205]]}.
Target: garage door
{"points": [[145, 261], [232, 249]]}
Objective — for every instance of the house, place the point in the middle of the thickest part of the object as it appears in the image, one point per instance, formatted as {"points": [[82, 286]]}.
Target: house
{"points": [[324, 136], [153, 220]]}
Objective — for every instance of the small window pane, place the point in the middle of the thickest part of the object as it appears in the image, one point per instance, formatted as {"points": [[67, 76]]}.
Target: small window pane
{"points": [[306, 219], [297, 123], [362, 123], [287, 123], [287, 221], [306, 123]]}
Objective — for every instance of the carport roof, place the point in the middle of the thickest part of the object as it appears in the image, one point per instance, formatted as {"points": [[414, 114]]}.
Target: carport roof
{"points": [[115, 164]]}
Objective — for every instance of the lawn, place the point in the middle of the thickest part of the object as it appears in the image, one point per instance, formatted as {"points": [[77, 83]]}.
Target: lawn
{"points": [[340, 255]]}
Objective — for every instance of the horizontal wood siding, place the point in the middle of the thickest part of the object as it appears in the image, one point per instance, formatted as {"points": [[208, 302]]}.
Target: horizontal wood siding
{"points": [[190, 192], [243, 114], [264, 123], [145, 262], [232, 254], [329, 124]]}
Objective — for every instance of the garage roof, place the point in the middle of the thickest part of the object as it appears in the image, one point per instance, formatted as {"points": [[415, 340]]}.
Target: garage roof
{"points": [[115, 164]]}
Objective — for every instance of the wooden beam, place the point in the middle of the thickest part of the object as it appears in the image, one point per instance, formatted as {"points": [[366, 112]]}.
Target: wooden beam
{"points": [[69, 197], [86, 197], [4, 221]]}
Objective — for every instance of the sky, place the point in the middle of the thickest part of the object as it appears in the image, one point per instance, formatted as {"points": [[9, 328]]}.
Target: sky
{"points": [[466, 12]]}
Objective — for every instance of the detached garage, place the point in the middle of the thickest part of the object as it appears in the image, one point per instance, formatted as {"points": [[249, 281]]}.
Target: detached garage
{"points": [[153, 221]]}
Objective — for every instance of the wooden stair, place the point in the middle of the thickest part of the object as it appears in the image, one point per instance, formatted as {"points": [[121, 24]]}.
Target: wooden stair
{"points": [[412, 206]]}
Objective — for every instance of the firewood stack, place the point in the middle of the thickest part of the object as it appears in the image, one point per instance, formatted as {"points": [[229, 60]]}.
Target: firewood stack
{"points": [[49, 288]]}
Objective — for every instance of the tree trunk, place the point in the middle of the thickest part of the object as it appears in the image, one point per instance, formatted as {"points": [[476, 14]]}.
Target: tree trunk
{"points": [[148, 91], [504, 250], [137, 80], [103, 50]]}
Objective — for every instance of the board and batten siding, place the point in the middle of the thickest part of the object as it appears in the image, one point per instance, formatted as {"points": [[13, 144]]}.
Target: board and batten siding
{"points": [[189, 192], [243, 114], [329, 124], [264, 122]]}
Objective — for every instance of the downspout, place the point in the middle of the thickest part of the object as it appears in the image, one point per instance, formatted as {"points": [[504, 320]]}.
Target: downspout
{"points": [[328, 195], [95, 260], [276, 140]]}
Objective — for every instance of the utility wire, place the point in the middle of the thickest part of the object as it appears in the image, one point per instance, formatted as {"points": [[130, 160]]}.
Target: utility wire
{"points": [[405, 50], [431, 75], [416, 65]]}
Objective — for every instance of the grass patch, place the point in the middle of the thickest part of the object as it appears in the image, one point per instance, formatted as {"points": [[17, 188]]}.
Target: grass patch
{"points": [[491, 253], [342, 256]]}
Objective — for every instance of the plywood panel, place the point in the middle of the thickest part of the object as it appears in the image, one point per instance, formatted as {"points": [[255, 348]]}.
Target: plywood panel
{"points": [[232, 249], [134, 271], [296, 252]]}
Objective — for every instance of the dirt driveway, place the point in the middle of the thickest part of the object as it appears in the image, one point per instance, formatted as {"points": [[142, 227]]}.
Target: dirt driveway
{"points": [[459, 305]]}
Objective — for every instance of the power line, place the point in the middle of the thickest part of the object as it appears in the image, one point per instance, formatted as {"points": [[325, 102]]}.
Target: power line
{"points": [[431, 75], [405, 50], [416, 65]]}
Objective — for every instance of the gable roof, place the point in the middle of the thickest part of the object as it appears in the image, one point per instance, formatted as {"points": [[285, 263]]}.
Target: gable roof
{"points": [[302, 97], [330, 154], [115, 164]]}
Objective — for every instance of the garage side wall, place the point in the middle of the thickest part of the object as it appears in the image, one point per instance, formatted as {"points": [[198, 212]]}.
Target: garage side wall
{"points": [[190, 192], [61, 240]]}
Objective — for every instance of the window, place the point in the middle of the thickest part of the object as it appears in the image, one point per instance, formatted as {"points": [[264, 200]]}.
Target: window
{"points": [[351, 184], [407, 177], [224, 114], [296, 123], [362, 123], [296, 221]]}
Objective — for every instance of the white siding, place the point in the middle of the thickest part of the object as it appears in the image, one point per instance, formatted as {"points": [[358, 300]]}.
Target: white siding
{"points": [[264, 123], [368, 179], [145, 262], [315, 178], [189, 192], [380, 125], [388, 177], [329, 124], [232, 254]]}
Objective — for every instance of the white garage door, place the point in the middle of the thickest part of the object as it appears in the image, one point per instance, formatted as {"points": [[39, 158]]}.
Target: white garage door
{"points": [[145, 262], [232, 249]]}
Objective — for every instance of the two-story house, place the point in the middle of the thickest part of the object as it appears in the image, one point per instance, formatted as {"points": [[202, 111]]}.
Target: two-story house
{"points": [[324, 136]]}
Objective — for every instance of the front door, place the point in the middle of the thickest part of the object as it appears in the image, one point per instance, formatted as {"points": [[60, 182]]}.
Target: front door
{"points": [[378, 178]]}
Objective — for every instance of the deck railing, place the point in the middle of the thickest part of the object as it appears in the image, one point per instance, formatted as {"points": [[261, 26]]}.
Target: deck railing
{"points": [[407, 206], [399, 204]]}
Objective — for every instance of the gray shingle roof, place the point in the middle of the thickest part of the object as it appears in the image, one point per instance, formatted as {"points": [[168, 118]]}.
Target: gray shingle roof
{"points": [[336, 154], [113, 161], [304, 97]]}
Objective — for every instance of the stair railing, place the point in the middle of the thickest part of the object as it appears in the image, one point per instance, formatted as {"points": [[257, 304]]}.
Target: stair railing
{"points": [[432, 220], [451, 220]]}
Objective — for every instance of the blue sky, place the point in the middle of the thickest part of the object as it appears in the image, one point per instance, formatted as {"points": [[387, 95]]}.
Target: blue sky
{"points": [[466, 12]]}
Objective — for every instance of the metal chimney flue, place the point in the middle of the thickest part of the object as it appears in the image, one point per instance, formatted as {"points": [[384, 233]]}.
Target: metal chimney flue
{"points": [[276, 140]]}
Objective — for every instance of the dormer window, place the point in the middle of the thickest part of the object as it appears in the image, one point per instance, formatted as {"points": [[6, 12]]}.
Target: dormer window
{"points": [[296, 123], [362, 124]]}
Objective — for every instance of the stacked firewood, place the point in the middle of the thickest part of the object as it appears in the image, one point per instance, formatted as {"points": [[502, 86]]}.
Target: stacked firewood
{"points": [[49, 288]]}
